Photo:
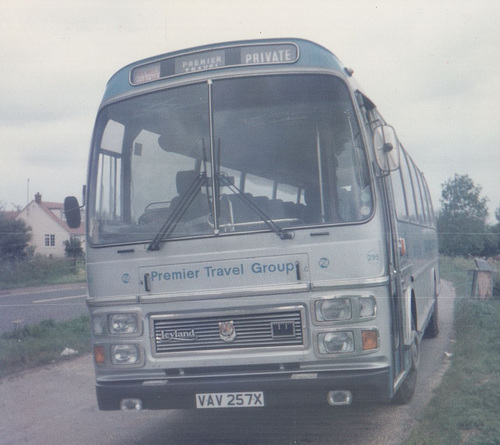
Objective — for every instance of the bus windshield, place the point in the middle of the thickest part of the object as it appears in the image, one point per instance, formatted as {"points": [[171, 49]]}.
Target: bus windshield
{"points": [[248, 150]]}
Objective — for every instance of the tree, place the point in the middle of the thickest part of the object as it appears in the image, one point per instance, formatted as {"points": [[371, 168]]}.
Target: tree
{"points": [[73, 248], [14, 237], [462, 222], [461, 197]]}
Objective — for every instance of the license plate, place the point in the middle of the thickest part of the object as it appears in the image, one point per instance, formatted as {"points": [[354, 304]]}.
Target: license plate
{"points": [[230, 400]]}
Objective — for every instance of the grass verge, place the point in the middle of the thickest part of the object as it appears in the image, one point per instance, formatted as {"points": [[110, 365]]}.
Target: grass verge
{"points": [[464, 409], [38, 271], [43, 343]]}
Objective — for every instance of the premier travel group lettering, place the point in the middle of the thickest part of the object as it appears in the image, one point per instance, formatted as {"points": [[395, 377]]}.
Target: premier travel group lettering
{"points": [[221, 272]]}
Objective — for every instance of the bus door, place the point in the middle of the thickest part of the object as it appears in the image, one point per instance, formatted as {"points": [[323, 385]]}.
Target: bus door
{"points": [[387, 150], [399, 283], [406, 341]]}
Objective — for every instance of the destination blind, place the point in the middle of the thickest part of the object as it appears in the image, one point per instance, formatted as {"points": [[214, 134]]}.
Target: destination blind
{"points": [[246, 55]]}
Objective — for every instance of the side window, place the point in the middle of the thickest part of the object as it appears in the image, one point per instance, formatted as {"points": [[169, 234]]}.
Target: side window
{"points": [[423, 197], [109, 174], [234, 177], [109, 198], [432, 218], [408, 187], [258, 186], [287, 193], [399, 194], [416, 190]]}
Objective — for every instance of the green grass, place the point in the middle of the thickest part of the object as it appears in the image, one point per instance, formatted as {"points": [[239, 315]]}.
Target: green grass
{"points": [[43, 343], [456, 270], [465, 408], [39, 271]]}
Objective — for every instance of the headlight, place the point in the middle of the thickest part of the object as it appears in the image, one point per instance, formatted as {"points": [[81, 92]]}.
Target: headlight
{"points": [[124, 354], [335, 309], [367, 307], [336, 342], [123, 324]]}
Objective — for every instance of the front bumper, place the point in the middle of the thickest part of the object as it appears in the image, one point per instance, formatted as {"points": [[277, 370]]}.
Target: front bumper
{"points": [[279, 390]]}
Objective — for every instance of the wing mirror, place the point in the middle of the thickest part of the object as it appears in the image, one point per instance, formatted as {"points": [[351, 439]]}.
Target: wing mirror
{"points": [[72, 212], [386, 146]]}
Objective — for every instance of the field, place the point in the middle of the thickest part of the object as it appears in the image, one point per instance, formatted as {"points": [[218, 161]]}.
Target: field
{"points": [[464, 409], [38, 271]]}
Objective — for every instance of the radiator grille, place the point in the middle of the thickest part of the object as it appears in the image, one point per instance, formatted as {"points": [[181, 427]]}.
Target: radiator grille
{"points": [[247, 330]]}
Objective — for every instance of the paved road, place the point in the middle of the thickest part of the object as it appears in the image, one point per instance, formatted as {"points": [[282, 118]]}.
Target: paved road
{"points": [[56, 405], [32, 305]]}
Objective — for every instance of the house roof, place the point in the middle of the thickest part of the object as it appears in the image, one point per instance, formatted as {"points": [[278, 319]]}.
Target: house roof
{"points": [[48, 208]]}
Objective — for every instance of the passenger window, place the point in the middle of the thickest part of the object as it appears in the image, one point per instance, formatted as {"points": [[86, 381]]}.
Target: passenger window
{"points": [[399, 194], [423, 197], [259, 186], [416, 191], [432, 218], [408, 186], [234, 176], [109, 199], [109, 173], [287, 193]]}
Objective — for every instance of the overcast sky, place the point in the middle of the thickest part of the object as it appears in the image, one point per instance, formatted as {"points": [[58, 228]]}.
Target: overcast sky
{"points": [[432, 67]]}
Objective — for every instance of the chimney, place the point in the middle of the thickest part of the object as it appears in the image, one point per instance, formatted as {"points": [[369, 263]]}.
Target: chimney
{"points": [[38, 198]]}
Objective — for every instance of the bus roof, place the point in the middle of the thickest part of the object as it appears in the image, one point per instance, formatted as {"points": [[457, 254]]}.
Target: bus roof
{"points": [[227, 57]]}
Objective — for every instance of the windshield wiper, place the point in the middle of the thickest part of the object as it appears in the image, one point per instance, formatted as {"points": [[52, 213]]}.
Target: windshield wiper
{"points": [[179, 210], [225, 181]]}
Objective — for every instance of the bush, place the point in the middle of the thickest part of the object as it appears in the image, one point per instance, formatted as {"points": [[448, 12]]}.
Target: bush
{"points": [[73, 248], [14, 237]]}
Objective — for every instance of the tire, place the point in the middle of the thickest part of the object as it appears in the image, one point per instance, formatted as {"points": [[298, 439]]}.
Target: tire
{"points": [[432, 330]]}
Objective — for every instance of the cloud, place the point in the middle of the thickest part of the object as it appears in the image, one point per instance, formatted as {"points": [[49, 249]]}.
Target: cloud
{"points": [[430, 67]]}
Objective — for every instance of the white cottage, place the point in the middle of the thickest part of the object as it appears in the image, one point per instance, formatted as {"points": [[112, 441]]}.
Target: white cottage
{"points": [[48, 227]]}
